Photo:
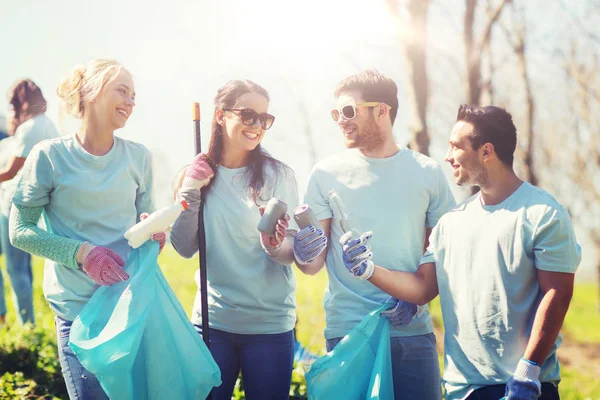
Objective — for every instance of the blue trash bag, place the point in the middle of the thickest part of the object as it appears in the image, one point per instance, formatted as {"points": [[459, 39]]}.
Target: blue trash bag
{"points": [[135, 337], [359, 367]]}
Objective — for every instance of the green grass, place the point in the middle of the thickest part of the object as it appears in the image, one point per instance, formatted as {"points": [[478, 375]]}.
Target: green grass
{"points": [[583, 319], [582, 323]]}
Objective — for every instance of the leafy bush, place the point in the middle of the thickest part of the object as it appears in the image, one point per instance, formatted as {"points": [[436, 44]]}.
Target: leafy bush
{"points": [[29, 360]]}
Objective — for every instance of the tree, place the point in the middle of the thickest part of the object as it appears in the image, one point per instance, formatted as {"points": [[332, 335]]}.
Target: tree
{"points": [[582, 75], [516, 36], [413, 36], [474, 48]]}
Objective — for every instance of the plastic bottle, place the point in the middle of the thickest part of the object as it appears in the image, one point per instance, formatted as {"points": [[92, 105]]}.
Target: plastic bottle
{"points": [[158, 221]]}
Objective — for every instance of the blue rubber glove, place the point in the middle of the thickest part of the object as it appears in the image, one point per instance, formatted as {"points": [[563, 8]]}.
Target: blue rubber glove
{"points": [[357, 255], [309, 242], [525, 384], [401, 313]]}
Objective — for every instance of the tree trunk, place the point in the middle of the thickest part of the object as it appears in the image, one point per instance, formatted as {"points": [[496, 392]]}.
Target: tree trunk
{"points": [[527, 157], [416, 68], [474, 50], [415, 43]]}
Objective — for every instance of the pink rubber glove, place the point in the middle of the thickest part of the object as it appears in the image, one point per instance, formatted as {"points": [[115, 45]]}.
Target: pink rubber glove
{"points": [[273, 242], [198, 174], [160, 237], [103, 265]]}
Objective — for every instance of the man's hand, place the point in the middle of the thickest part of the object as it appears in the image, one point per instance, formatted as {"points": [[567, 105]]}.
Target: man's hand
{"points": [[309, 242], [357, 254], [401, 312], [525, 384]]}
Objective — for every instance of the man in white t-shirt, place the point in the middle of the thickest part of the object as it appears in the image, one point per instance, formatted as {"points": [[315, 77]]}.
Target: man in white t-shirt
{"points": [[399, 195], [503, 263]]}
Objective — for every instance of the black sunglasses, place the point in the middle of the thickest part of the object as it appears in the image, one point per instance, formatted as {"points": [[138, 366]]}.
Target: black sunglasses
{"points": [[249, 117]]}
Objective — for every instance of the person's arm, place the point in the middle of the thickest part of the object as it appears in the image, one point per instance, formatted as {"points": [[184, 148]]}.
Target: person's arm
{"points": [[24, 234], [426, 240], [101, 264], [13, 166], [557, 288], [280, 247], [414, 287], [556, 256], [184, 233], [313, 266]]}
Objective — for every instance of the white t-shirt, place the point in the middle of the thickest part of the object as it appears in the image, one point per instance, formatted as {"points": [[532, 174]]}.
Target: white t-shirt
{"points": [[486, 260]]}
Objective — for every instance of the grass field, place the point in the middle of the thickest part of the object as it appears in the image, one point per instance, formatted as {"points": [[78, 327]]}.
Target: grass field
{"points": [[581, 347]]}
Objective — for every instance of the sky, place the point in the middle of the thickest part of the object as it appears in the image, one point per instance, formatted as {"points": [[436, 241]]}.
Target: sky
{"points": [[180, 52]]}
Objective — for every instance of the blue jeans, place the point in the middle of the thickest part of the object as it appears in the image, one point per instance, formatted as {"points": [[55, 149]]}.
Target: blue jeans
{"points": [[495, 392], [415, 367], [81, 385], [18, 266], [266, 362]]}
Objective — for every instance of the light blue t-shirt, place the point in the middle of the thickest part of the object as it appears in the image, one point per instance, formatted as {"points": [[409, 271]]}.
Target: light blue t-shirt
{"points": [[487, 259], [248, 293], [28, 134], [87, 198], [396, 198]]}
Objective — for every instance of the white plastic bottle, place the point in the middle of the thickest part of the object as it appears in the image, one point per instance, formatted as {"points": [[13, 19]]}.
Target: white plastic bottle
{"points": [[158, 221]]}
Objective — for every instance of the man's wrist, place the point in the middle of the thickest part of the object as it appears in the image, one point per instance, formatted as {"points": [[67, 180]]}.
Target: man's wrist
{"points": [[528, 370], [370, 268]]}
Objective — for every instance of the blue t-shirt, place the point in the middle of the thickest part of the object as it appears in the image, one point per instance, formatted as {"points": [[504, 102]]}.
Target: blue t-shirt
{"points": [[396, 198], [87, 198], [28, 134], [248, 293], [486, 260]]}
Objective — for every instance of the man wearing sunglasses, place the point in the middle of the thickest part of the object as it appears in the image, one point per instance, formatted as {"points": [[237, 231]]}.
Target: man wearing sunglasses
{"points": [[396, 196]]}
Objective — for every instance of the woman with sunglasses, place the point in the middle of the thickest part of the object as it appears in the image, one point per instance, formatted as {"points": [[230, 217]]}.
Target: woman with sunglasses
{"points": [[251, 285]]}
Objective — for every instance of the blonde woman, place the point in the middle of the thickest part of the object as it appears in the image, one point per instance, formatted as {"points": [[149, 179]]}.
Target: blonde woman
{"points": [[91, 186]]}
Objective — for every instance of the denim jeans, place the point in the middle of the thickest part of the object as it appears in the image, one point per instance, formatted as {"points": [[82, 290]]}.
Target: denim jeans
{"points": [[18, 266], [495, 392], [415, 367], [81, 385], [266, 362]]}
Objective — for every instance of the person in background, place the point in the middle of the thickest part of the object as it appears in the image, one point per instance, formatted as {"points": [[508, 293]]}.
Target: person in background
{"points": [[91, 187], [28, 125]]}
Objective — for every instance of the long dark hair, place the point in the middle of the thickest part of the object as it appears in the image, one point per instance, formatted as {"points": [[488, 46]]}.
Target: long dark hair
{"points": [[25, 91], [257, 158]]}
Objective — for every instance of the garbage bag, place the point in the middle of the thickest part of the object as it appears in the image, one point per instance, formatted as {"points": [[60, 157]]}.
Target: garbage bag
{"points": [[135, 337], [359, 367]]}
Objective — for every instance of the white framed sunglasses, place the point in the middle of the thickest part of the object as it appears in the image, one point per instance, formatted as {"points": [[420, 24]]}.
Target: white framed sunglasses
{"points": [[349, 111]]}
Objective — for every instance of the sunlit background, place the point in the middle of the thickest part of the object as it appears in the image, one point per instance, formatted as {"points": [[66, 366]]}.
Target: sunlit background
{"points": [[183, 51]]}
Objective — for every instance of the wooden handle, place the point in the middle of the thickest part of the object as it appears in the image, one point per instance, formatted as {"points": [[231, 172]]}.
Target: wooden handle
{"points": [[196, 112]]}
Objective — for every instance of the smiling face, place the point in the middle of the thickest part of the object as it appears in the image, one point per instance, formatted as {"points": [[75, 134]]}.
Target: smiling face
{"points": [[116, 101], [466, 162], [362, 131], [238, 136]]}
